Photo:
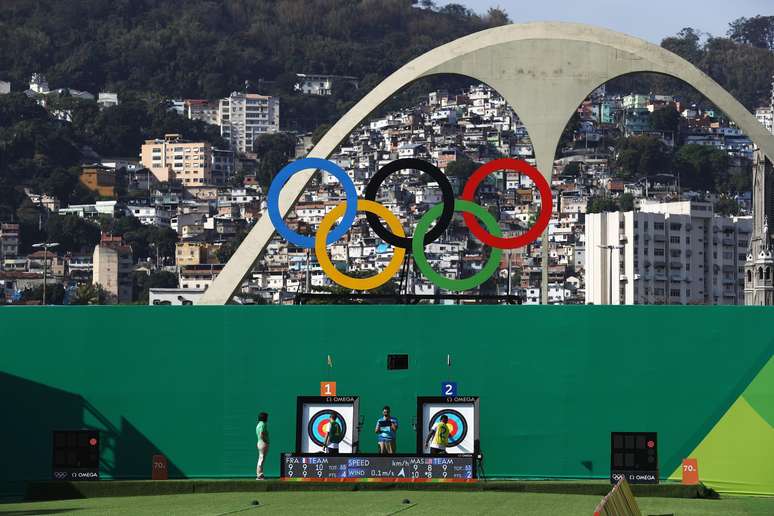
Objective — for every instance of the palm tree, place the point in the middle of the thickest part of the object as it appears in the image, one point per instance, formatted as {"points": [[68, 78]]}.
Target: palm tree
{"points": [[88, 294]]}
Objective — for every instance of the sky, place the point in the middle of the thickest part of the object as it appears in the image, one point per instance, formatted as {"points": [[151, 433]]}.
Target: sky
{"points": [[652, 20]]}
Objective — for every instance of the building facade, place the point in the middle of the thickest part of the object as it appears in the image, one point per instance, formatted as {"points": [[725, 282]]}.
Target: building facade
{"points": [[9, 243], [667, 253], [99, 179], [113, 267], [173, 158], [245, 116]]}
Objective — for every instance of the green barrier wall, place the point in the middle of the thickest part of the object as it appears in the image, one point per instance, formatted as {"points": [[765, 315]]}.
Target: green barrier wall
{"points": [[188, 382]]}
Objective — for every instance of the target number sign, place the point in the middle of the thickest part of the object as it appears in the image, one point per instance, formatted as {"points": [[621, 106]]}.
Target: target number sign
{"points": [[449, 389], [327, 388]]}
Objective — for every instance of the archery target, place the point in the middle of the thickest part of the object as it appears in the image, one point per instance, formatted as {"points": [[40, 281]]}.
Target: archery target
{"points": [[457, 422], [461, 420], [319, 425], [315, 418]]}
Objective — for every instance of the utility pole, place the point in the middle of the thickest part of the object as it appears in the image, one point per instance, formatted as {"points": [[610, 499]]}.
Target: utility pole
{"points": [[45, 246]]}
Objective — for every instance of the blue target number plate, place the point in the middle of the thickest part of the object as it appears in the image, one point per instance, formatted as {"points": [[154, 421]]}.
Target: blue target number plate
{"points": [[449, 389]]}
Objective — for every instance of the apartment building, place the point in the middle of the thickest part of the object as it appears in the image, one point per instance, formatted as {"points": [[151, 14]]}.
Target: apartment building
{"points": [[173, 158], [9, 243], [245, 116], [667, 253], [113, 267]]}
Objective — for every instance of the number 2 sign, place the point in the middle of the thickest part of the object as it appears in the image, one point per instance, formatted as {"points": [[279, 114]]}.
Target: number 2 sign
{"points": [[449, 389], [327, 388]]}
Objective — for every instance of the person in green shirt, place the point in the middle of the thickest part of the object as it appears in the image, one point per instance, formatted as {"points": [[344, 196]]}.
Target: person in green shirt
{"points": [[262, 432]]}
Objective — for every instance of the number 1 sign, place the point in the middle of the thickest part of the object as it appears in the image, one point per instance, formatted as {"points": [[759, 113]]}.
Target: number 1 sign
{"points": [[327, 388]]}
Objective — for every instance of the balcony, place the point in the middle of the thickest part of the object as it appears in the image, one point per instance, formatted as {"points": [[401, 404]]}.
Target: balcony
{"points": [[659, 237]]}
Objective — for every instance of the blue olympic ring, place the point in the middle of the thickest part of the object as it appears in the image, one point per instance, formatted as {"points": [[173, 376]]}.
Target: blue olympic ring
{"points": [[272, 200]]}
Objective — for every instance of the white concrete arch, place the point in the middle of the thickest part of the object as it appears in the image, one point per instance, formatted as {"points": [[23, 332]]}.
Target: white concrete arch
{"points": [[543, 70]]}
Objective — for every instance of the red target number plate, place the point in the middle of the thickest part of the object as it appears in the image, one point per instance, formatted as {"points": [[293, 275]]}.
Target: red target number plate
{"points": [[327, 388]]}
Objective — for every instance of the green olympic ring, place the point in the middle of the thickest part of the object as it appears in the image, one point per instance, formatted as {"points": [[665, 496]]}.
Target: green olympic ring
{"points": [[417, 247]]}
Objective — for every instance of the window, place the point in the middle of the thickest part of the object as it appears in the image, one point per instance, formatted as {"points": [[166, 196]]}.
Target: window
{"points": [[658, 225], [768, 272], [675, 226], [674, 292], [674, 239], [658, 252]]}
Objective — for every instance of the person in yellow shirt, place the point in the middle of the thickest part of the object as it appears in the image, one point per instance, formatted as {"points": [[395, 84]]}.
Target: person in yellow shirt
{"points": [[439, 435]]}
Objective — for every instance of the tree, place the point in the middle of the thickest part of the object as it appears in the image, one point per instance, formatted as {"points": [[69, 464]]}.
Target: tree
{"points": [[702, 168], [727, 206], [73, 233], [157, 279], [55, 294], [89, 294], [601, 204], [641, 156], [273, 152], [666, 119], [757, 31], [626, 202], [461, 169]]}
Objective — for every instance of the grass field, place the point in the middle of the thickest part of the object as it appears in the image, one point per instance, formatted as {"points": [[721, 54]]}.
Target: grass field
{"points": [[382, 503]]}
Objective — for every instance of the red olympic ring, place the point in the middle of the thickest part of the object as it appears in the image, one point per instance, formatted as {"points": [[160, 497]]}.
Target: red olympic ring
{"points": [[546, 203]]}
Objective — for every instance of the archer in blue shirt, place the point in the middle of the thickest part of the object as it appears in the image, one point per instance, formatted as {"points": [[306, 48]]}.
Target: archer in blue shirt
{"points": [[386, 427]]}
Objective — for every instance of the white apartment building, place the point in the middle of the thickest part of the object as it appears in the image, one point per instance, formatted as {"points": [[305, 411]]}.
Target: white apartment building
{"points": [[151, 215], [667, 253], [319, 84], [245, 116]]}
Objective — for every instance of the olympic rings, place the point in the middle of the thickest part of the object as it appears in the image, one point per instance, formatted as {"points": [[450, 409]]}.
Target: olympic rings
{"points": [[447, 196], [338, 276], [546, 204], [449, 283], [442, 213], [272, 200]]}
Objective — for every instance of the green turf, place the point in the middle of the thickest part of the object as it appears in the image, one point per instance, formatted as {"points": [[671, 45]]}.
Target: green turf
{"points": [[382, 503]]}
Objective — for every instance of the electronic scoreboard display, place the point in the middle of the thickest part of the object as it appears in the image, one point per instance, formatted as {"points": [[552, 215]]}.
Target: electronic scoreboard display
{"points": [[75, 455], [374, 467], [634, 456]]}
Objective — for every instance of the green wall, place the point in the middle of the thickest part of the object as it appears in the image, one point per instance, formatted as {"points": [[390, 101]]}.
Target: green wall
{"points": [[189, 381]]}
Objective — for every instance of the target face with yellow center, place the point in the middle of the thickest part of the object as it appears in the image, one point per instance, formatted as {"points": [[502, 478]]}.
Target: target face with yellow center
{"points": [[462, 414]]}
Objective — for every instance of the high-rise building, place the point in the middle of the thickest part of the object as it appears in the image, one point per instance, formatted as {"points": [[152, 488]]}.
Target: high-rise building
{"points": [[113, 267], [173, 158], [245, 116], [9, 243], [667, 253]]}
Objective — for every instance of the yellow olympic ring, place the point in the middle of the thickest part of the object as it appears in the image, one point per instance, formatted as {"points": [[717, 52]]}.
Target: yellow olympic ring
{"points": [[339, 277]]}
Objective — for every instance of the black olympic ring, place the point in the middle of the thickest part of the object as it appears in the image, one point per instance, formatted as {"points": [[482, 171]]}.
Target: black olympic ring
{"points": [[447, 197]]}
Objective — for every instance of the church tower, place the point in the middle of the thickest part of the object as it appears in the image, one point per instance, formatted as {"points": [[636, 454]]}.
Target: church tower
{"points": [[759, 267]]}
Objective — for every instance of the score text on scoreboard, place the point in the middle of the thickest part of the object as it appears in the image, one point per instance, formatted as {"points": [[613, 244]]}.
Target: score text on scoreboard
{"points": [[380, 468]]}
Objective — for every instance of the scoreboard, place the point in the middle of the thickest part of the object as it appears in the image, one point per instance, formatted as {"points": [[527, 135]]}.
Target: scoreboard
{"points": [[374, 467], [634, 456]]}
